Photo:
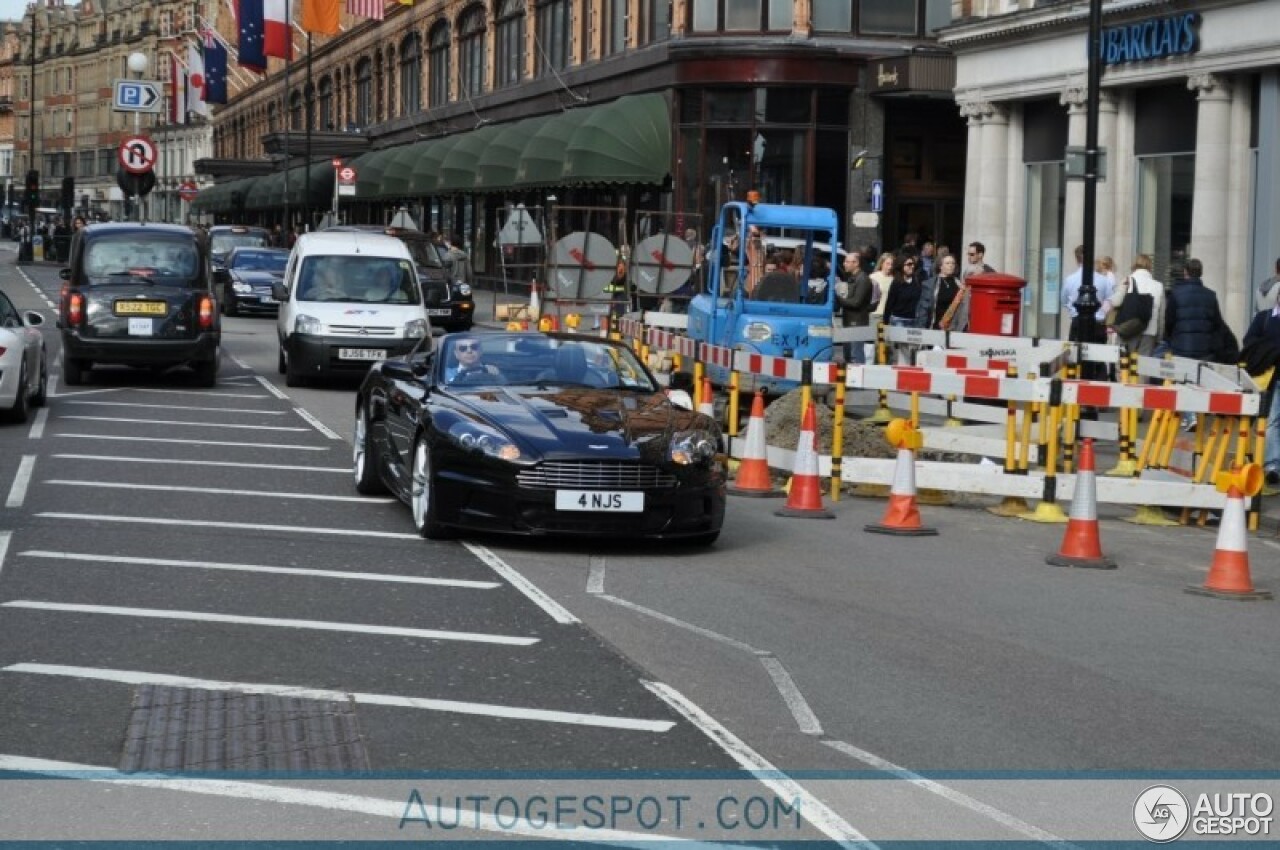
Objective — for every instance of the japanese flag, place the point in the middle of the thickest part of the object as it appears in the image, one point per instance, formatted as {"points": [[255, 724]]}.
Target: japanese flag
{"points": [[195, 81]]}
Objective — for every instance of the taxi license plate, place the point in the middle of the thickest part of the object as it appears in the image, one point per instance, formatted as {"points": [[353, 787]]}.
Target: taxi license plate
{"points": [[438, 311], [362, 354], [605, 501], [141, 308]]}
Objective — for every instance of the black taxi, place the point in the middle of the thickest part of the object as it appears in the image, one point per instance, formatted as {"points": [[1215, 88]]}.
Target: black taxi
{"points": [[138, 295]]}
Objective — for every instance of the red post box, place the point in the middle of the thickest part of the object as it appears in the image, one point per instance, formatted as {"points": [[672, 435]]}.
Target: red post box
{"points": [[995, 303]]}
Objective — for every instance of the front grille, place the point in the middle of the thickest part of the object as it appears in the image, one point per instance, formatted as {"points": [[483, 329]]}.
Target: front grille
{"points": [[361, 330], [595, 475]]}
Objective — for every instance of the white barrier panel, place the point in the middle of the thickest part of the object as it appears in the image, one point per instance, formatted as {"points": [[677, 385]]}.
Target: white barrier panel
{"points": [[676, 321], [993, 384]]}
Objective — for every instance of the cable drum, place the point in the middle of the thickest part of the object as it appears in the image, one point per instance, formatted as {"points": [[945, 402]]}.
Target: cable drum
{"points": [[583, 263], [661, 264]]}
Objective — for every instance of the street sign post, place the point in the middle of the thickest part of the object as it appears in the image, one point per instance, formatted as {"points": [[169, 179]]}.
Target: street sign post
{"points": [[137, 155], [138, 96]]}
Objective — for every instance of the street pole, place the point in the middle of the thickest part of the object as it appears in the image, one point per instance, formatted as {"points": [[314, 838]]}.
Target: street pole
{"points": [[307, 95], [138, 64], [288, 125], [1087, 303], [29, 245]]}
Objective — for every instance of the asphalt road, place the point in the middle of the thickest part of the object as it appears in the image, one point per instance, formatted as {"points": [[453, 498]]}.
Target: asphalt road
{"points": [[165, 529]]}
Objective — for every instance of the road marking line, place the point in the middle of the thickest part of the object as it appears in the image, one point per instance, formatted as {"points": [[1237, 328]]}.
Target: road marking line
{"points": [[185, 442], [553, 608], [331, 801], [698, 630], [207, 523], [77, 393], [271, 388], [179, 407], [791, 695], [963, 800], [23, 273], [260, 568], [190, 424], [52, 388], [37, 427], [273, 622], [22, 480], [130, 677], [203, 393], [221, 491], [595, 578], [811, 808], [336, 470], [317, 424], [4, 545]]}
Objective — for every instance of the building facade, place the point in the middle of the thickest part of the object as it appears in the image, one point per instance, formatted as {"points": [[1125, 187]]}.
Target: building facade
{"points": [[758, 94], [1189, 117], [8, 49], [66, 63]]}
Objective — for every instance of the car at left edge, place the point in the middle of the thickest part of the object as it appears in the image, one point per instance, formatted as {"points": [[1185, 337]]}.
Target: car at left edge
{"points": [[24, 367], [537, 434]]}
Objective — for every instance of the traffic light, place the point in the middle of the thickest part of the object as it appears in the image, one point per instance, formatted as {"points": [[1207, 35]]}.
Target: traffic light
{"points": [[33, 188], [68, 199]]}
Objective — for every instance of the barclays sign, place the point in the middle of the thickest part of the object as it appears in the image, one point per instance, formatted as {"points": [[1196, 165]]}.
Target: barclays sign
{"points": [[1157, 38]]}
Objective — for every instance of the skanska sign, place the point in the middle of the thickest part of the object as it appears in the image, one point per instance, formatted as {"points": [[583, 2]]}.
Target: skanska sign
{"points": [[1155, 38]]}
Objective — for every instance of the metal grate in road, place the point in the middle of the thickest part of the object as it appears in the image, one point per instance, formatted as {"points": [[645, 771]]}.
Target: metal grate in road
{"points": [[184, 729]]}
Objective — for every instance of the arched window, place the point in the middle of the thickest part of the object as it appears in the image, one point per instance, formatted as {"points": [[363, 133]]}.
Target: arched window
{"points": [[410, 74], [552, 35], [328, 120], [509, 43], [438, 47], [471, 31], [364, 94]]}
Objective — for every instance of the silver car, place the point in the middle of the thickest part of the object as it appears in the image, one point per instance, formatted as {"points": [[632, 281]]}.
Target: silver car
{"points": [[24, 369]]}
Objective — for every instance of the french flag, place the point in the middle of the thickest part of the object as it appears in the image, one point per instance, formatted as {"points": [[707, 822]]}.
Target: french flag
{"points": [[277, 39]]}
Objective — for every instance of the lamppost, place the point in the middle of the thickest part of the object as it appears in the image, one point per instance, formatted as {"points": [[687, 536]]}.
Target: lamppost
{"points": [[138, 64], [1087, 303], [27, 250]]}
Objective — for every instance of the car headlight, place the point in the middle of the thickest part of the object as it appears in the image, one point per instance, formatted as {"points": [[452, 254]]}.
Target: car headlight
{"points": [[242, 288], [415, 329], [462, 288], [305, 324], [757, 332], [473, 436], [690, 447]]}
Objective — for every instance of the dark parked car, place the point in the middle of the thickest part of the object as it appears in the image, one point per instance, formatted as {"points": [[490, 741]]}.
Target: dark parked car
{"points": [[530, 433], [139, 295], [224, 237], [449, 301], [244, 285]]}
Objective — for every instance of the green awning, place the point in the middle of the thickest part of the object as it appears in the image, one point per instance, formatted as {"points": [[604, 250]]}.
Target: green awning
{"points": [[369, 169], [208, 197], [264, 192], [426, 171], [458, 169], [398, 170], [496, 168], [318, 191], [626, 141], [542, 160]]}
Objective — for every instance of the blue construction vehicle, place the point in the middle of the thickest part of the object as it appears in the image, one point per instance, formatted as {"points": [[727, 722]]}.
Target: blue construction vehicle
{"points": [[770, 287]]}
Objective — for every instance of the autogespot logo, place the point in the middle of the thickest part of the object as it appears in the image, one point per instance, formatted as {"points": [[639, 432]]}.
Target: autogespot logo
{"points": [[1161, 813]]}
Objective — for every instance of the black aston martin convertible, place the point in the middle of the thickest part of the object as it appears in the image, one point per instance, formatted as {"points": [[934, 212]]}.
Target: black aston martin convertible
{"points": [[532, 433]]}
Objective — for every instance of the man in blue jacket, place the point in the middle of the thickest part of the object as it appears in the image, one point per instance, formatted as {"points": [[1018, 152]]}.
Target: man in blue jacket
{"points": [[1263, 337], [1191, 316]]}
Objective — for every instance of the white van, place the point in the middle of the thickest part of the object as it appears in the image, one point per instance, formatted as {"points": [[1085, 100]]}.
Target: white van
{"points": [[347, 300]]}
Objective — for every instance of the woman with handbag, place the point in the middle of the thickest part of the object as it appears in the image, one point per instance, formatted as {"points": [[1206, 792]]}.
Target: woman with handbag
{"points": [[944, 300], [1136, 334]]}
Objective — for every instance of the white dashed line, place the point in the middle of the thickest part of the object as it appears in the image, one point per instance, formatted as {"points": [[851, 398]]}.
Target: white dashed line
{"points": [[271, 388], [316, 423], [37, 425], [330, 470], [248, 526], [4, 546], [21, 481], [178, 407], [553, 608], [201, 443], [219, 491], [186, 424]]}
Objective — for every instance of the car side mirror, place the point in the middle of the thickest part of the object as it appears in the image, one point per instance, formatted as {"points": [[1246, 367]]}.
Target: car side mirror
{"points": [[64, 273], [280, 292]]}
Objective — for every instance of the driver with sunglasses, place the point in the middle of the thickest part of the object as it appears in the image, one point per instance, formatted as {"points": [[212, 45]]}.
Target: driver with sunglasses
{"points": [[470, 366]]}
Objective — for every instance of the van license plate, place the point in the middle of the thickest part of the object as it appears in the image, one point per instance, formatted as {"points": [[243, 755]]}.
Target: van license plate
{"points": [[599, 500], [362, 354], [439, 311]]}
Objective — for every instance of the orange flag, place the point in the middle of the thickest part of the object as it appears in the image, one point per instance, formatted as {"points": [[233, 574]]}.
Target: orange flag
{"points": [[321, 16]]}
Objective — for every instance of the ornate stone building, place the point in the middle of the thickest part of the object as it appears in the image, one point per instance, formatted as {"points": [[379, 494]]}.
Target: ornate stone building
{"points": [[8, 49]]}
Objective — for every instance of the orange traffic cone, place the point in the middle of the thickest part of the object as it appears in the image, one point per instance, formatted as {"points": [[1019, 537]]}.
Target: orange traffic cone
{"points": [[1229, 573], [753, 469], [706, 401], [902, 517], [1081, 545], [805, 498]]}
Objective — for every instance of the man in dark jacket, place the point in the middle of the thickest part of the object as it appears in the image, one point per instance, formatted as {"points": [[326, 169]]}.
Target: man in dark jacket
{"points": [[1263, 337], [853, 297], [1191, 316]]}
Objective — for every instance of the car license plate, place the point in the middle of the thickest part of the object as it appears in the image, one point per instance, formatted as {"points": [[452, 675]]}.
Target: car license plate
{"points": [[267, 299], [362, 354], [439, 311], [599, 500], [141, 308], [141, 327]]}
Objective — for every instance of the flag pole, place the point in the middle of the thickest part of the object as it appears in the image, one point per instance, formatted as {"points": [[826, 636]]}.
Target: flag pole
{"points": [[288, 126], [308, 95]]}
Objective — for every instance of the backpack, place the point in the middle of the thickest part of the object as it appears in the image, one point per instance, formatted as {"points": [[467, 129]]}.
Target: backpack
{"points": [[1134, 313]]}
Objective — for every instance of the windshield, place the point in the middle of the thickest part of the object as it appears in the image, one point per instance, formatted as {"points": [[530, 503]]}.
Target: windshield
{"points": [[260, 261], [358, 280], [530, 359], [159, 259], [221, 243]]}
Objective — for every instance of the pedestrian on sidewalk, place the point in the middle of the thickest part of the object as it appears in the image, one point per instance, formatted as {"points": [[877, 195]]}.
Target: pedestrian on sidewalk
{"points": [[1261, 351]]}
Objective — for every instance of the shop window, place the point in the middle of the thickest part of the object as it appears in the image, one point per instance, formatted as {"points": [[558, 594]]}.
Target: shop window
{"points": [[438, 90], [509, 39], [888, 17], [410, 76], [471, 51], [1166, 186], [1046, 201], [730, 106]]}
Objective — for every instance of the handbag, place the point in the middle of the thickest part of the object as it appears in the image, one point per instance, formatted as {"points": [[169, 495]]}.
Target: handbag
{"points": [[1134, 313]]}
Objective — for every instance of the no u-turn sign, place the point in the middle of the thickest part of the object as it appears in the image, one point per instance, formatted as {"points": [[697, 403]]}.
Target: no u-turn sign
{"points": [[137, 155]]}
